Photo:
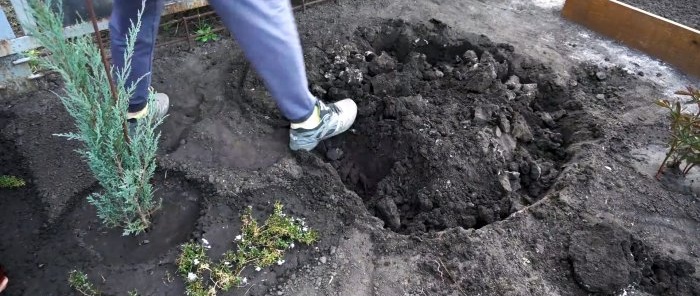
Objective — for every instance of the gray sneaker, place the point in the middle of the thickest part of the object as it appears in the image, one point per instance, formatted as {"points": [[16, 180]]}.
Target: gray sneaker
{"points": [[162, 104], [336, 118]]}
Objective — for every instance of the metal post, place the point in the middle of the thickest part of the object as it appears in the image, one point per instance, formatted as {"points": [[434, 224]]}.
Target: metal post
{"points": [[11, 76], [23, 16]]}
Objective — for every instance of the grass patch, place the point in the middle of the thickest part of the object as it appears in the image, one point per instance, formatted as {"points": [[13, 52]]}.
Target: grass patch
{"points": [[11, 182], [79, 281], [258, 246]]}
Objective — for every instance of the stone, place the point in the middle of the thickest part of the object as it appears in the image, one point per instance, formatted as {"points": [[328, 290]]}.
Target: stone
{"points": [[547, 119], [600, 96], [486, 214], [318, 90], [389, 212], [470, 57], [352, 76], [535, 171], [505, 182], [504, 123], [601, 75], [514, 179], [511, 95], [426, 204], [479, 78], [513, 83], [480, 116], [383, 63], [521, 130], [483, 114], [323, 260], [334, 154], [529, 91]]}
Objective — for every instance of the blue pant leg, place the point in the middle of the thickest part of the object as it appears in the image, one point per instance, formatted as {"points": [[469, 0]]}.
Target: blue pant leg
{"points": [[267, 32], [123, 13]]}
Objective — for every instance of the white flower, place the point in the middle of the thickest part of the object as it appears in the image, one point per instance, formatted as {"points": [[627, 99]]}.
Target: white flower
{"points": [[227, 263], [283, 215], [205, 242], [244, 280], [257, 268], [305, 229], [239, 237], [196, 261], [191, 277], [280, 262], [291, 245]]}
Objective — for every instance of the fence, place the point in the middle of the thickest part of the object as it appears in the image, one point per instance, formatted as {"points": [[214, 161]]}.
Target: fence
{"points": [[15, 72]]}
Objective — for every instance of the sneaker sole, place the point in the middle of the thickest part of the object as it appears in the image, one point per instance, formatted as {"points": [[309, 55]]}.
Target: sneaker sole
{"points": [[305, 147]]}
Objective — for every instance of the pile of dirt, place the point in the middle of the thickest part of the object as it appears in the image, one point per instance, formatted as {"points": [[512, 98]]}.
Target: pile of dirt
{"points": [[686, 12], [607, 259], [452, 130]]}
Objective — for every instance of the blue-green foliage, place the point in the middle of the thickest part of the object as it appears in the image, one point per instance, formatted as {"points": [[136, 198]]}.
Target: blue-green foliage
{"points": [[123, 168]]}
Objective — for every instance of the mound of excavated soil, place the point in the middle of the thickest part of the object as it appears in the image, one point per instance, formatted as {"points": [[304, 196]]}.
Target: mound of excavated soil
{"points": [[452, 130]]}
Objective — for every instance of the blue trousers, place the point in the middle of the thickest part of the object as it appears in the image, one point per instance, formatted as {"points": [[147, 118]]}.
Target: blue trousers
{"points": [[265, 29]]}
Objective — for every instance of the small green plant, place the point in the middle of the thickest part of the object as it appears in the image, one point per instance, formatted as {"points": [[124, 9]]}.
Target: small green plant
{"points": [[11, 182], [78, 280], [205, 33], [33, 55], [122, 163], [258, 246], [684, 145]]}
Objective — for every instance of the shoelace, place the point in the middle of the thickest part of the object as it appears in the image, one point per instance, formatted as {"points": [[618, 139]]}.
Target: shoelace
{"points": [[331, 107]]}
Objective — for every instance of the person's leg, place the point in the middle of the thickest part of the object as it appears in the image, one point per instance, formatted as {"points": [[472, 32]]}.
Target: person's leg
{"points": [[266, 31], [124, 12]]}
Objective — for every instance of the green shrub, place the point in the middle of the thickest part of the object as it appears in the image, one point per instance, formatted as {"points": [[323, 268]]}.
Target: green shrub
{"points": [[123, 164], [78, 280], [684, 145]]}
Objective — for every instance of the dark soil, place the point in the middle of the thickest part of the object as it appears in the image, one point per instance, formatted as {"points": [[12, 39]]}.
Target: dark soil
{"points": [[470, 170], [686, 12], [449, 132]]}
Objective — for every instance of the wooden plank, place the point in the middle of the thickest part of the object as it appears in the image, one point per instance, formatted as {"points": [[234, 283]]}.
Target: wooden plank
{"points": [[667, 40]]}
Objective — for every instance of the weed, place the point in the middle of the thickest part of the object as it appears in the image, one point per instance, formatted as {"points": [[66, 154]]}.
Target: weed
{"points": [[123, 164], [684, 145], [79, 281], [33, 55], [171, 28], [11, 182], [205, 33], [258, 245]]}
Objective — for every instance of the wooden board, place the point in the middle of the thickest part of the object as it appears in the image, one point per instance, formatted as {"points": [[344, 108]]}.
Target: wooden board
{"points": [[667, 40]]}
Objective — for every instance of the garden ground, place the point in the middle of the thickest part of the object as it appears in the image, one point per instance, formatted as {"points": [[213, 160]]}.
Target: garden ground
{"points": [[498, 150]]}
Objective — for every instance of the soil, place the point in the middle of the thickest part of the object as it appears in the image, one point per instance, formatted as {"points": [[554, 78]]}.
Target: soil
{"points": [[11, 17], [686, 12], [472, 169]]}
